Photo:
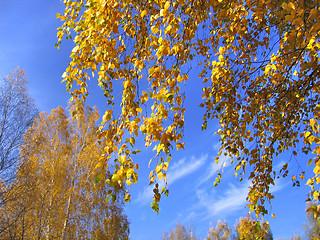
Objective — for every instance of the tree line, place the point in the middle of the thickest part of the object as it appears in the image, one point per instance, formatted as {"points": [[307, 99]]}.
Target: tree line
{"points": [[245, 228], [51, 187]]}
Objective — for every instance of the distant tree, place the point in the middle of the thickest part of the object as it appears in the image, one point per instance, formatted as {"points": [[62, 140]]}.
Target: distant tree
{"points": [[59, 190], [17, 111], [268, 236], [221, 232], [295, 237], [312, 227], [246, 228], [180, 233], [249, 229]]}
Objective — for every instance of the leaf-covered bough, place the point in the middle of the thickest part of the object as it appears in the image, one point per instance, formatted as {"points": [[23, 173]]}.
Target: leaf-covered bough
{"points": [[259, 67]]}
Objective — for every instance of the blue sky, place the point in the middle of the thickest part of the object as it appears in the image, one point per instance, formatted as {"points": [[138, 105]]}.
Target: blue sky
{"points": [[28, 34]]}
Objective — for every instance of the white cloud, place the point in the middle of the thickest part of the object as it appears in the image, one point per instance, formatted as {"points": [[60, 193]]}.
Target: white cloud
{"points": [[279, 185], [279, 165], [217, 203], [183, 168], [230, 200], [145, 196], [216, 146], [178, 170], [212, 169]]}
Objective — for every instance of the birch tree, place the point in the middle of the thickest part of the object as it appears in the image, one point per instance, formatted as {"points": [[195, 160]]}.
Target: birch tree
{"points": [[59, 190], [17, 111]]}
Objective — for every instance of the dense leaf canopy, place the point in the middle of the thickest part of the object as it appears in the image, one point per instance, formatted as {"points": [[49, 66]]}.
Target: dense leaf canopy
{"points": [[259, 66]]}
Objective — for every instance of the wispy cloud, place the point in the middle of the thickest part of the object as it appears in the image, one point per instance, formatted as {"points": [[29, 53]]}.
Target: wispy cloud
{"points": [[183, 168], [216, 146], [216, 203], [279, 184], [178, 170], [145, 196], [213, 169]]}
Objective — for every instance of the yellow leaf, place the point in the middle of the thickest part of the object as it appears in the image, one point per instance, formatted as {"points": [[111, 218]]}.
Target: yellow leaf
{"points": [[291, 5], [317, 149], [128, 181], [179, 79], [313, 13], [122, 159], [316, 195], [163, 12], [120, 173], [159, 148], [179, 146], [158, 169], [168, 29], [126, 84], [75, 49], [167, 5], [238, 91], [238, 167], [160, 175], [312, 122], [310, 182], [165, 166], [143, 13], [100, 164], [154, 29], [107, 116], [151, 174], [316, 170], [64, 75], [139, 109], [221, 50], [132, 140]]}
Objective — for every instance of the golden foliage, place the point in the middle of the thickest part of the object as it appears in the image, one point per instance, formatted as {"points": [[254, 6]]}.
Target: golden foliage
{"points": [[258, 61], [250, 229], [221, 232], [58, 191]]}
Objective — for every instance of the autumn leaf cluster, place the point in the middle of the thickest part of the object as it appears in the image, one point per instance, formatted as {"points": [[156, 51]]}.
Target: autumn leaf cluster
{"points": [[258, 64]]}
